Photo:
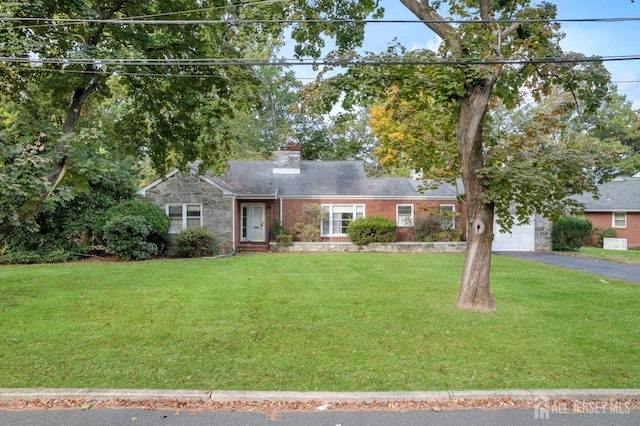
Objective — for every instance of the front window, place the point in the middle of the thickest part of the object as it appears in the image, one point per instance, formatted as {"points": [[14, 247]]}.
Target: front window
{"points": [[619, 220], [404, 215], [448, 221], [184, 216], [336, 218]]}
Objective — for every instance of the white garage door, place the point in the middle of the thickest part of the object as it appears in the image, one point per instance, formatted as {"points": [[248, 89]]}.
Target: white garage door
{"points": [[521, 238]]}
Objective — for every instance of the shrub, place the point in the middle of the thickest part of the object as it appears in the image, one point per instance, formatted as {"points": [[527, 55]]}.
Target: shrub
{"points": [[426, 228], [193, 243], [284, 240], [156, 220], [602, 233], [41, 256], [276, 229], [127, 238], [65, 227], [308, 229], [570, 233], [372, 229], [429, 228]]}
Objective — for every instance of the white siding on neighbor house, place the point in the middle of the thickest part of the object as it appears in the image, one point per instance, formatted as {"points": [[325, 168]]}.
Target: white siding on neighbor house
{"points": [[521, 237]]}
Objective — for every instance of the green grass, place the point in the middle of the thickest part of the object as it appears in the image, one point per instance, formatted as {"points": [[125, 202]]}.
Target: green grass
{"points": [[630, 257], [330, 322]]}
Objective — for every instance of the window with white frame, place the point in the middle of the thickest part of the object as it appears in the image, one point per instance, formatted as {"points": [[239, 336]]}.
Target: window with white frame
{"points": [[619, 220], [184, 216], [448, 216], [404, 214], [337, 217]]}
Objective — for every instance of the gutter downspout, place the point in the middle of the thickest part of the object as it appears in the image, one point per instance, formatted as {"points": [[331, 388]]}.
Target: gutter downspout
{"points": [[279, 213], [233, 223]]}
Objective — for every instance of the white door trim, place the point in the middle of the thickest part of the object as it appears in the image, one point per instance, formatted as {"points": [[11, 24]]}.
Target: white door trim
{"points": [[253, 222]]}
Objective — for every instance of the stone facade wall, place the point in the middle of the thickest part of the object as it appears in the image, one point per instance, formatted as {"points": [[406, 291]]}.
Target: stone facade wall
{"points": [[186, 188], [542, 234]]}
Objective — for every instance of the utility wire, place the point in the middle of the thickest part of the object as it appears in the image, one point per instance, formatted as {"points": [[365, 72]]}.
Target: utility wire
{"points": [[311, 62], [129, 21], [181, 12], [184, 75], [126, 74]]}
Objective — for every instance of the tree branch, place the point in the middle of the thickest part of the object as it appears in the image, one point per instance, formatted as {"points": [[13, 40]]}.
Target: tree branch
{"points": [[486, 13], [93, 40], [423, 11], [513, 27]]}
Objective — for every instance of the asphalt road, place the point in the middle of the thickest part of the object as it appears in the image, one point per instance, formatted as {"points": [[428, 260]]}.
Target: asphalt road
{"points": [[603, 268], [618, 416]]}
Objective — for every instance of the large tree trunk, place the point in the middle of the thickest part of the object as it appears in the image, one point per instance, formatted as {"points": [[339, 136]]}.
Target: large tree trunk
{"points": [[73, 113], [474, 286]]}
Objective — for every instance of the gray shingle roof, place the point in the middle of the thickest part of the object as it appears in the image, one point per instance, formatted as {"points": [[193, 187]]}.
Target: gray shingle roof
{"points": [[621, 194], [321, 179]]}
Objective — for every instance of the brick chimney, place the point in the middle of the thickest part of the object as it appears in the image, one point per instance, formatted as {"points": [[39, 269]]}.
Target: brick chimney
{"points": [[287, 159]]}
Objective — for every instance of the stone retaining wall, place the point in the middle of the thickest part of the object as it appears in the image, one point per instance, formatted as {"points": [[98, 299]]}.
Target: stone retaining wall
{"points": [[375, 247]]}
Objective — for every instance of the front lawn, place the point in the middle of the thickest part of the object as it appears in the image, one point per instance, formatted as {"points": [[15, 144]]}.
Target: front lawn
{"points": [[330, 322], [630, 257]]}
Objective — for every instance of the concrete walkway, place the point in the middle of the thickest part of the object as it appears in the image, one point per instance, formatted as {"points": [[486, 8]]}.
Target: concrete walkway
{"points": [[603, 268]]}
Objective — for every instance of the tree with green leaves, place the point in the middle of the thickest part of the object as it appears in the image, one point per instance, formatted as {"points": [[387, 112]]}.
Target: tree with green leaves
{"points": [[279, 117], [178, 82], [268, 123], [491, 52], [616, 121], [63, 55], [98, 177]]}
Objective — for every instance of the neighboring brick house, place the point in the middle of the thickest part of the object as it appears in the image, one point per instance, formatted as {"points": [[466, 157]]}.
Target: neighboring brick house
{"points": [[244, 206], [617, 207]]}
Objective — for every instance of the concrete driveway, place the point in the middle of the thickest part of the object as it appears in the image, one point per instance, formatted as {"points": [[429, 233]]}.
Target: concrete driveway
{"points": [[618, 271]]}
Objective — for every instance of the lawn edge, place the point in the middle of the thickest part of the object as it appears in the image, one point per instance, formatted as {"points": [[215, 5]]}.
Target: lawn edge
{"points": [[12, 394]]}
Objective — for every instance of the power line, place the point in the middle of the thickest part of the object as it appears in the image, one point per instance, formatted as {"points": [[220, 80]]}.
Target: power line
{"points": [[203, 62], [60, 21], [181, 12], [123, 73], [183, 75]]}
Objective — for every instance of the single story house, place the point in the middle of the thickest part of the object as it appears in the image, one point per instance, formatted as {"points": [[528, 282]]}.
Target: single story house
{"points": [[246, 206], [617, 207]]}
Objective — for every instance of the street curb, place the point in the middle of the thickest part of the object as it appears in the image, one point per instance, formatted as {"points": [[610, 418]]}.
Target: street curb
{"points": [[8, 394]]}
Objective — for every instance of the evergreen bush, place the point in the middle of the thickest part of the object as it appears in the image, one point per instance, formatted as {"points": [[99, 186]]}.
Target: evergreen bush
{"points": [[570, 233], [372, 229], [155, 219], [193, 243], [127, 238]]}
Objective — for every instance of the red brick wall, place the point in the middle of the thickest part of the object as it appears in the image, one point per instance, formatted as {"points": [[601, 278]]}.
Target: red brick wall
{"points": [[605, 220], [293, 209]]}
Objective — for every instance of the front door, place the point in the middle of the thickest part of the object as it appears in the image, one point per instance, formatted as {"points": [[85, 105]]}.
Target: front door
{"points": [[253, 228]]}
